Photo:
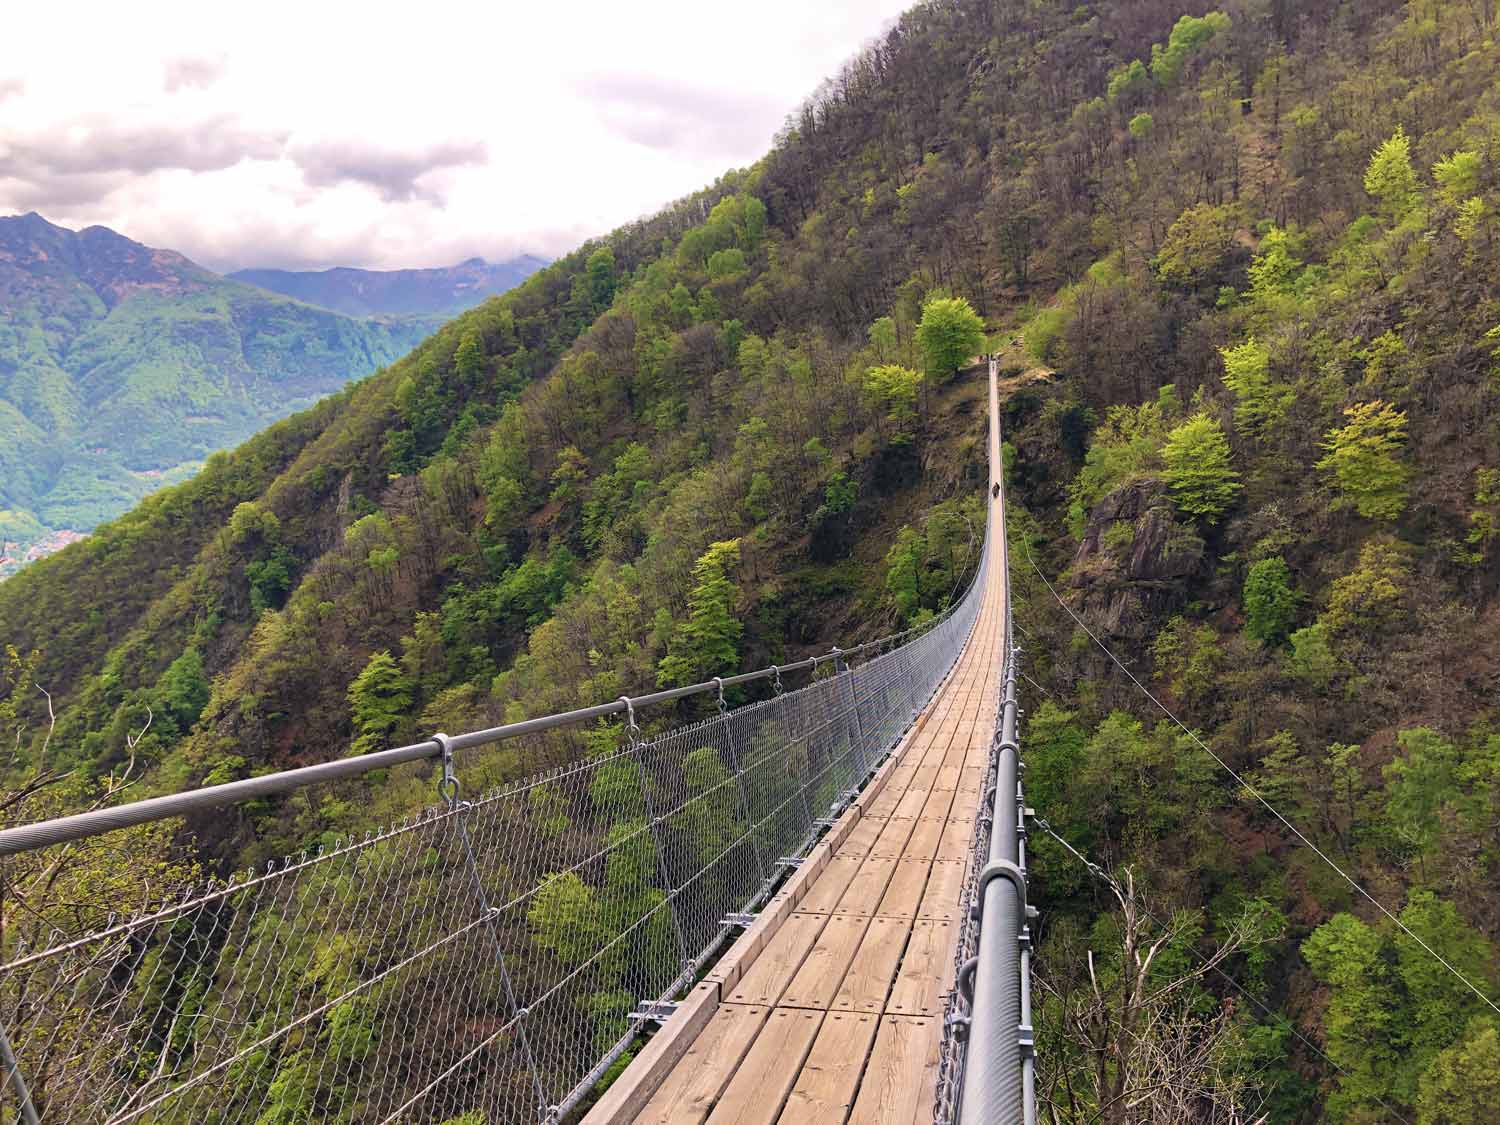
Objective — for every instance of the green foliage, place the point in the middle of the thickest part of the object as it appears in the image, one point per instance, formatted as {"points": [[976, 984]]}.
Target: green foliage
{"points": [[1390, 177], [1196, 466], [1189, 36], [1458, 176], [1462, 1086], [1270, 601], [895, 388], [949, 335], [1127, 446], [1393, 1010], [1129, 83], [1372, 597], [1260, 402], [1199, 244], [707, 643], [1141, 126], [1364, 459], [925, 566], [379, 699]]}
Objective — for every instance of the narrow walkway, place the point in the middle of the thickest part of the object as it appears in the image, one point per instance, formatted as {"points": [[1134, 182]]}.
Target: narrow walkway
{"points": [[833, 1010]]}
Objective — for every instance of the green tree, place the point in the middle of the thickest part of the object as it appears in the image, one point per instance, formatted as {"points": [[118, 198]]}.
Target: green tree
{"points": [[1196, 466], [949, 335], [1189, 36], [379, 698], [1260, 403], [182, 691], [1270, 601], [601, 278], [1390, 177], [1364, 459], [707, 643], [1199, 244], [1418, 784], [894, 388], [1462, 1086], [1458, 176]]}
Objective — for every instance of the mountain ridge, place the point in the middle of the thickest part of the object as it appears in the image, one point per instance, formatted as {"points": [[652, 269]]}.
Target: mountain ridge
{"points": [[440, 291]]}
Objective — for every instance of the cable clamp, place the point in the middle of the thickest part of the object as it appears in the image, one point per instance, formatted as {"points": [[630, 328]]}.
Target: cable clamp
{"points": [[718, 682], [1003, 869], [966, 979], [447, 784]]}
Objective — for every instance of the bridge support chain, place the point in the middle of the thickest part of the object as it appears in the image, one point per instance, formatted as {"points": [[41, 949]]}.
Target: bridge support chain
{"points": [[448, 789]]}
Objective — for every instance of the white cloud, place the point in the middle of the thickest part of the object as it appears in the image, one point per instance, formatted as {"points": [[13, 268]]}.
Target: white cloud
{"points": [[386, 135]]}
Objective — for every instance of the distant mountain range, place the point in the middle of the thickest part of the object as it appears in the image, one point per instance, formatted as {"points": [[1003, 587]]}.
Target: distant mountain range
{"points": [[122, 367], [425, 292]]}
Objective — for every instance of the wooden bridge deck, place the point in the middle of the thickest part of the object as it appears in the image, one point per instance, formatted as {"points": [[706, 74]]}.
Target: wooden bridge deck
{"points": [[830, 1008]]}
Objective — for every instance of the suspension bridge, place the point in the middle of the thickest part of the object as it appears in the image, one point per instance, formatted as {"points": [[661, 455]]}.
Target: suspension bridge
{"points": [[810, 908]]}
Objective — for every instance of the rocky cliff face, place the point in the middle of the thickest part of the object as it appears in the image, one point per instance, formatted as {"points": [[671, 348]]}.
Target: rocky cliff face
{"points": [[1134, 562]]}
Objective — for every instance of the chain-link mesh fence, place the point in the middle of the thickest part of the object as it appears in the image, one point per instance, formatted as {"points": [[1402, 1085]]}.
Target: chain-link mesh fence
{"points": [[483, 962]]}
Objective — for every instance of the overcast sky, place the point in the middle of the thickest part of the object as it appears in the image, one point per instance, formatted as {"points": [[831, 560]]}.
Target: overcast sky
{"points": [[312, 134]]}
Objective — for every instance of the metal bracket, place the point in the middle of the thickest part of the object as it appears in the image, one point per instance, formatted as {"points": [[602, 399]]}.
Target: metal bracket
{"points": [[448, 783], [1026, 1038], [740, 918], [792, 862], [1002, 869], [657, 1011], [966, 979]]}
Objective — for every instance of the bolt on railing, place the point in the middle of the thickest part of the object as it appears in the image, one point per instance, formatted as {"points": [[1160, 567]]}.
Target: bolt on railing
{"points": [[485, 961]]}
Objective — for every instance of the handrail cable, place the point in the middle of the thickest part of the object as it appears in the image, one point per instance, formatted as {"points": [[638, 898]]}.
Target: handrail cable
{"points": [[1256, 793]]}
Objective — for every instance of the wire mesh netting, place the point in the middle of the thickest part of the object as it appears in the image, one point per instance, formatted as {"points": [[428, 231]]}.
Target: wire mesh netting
{"points": [[483, 962]]}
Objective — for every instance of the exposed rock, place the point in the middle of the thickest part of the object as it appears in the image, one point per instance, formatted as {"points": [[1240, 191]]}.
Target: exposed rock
{"points": [[1133, 562]]}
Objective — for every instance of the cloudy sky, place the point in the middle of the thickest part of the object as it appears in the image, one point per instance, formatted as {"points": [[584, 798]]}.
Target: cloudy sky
{"points": [[312, 134]]}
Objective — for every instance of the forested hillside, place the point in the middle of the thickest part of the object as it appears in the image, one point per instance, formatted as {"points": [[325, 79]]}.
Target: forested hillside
{"points": [[1240, 263], [122, 367]]}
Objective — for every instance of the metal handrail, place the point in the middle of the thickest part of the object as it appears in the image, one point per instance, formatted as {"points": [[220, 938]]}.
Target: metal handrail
{"points": [[60, 830]]}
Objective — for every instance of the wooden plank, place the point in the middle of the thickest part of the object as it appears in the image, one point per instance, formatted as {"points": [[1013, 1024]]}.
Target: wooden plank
{"points": [[862, 836], [900, 1082], [825, 1089], [628, 1095], [892, 840], [926, 970], [867, 886], [938, 804], [885, 804], [769, 1070], [948, 777], [924, 839], [904, 892], [868, 981], [779, 960], [956, 842], [823, 896], [945, 885], [690, 1091], [823, 970], [910, 805]]}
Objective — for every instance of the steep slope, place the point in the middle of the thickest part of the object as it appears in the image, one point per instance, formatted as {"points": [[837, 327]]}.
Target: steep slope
{"points": [[122, 367], [416, 292], [1246, 255]]}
